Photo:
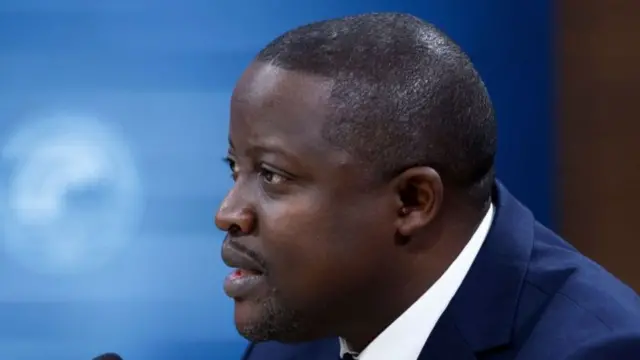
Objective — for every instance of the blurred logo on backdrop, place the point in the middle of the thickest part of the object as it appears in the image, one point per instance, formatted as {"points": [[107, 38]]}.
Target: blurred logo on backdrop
{"points": [[72, 195]]}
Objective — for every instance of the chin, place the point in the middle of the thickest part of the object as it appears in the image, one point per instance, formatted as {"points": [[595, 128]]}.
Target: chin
{"points": [[260, 322], [247, 315], [258, 334]]}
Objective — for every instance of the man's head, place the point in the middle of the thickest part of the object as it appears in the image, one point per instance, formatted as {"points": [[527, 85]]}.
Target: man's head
{"points": [[353, 142]]}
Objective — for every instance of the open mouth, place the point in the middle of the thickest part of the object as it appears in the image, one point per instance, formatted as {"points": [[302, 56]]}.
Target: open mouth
{"points": [[242, 283], [245, 272], [247, 277]]}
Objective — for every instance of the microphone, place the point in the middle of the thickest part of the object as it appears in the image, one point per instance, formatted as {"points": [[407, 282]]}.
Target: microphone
{"points": [[108, 356]]}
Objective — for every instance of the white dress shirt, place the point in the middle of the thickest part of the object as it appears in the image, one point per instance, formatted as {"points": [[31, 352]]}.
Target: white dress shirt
{"points": [[406, 336]]}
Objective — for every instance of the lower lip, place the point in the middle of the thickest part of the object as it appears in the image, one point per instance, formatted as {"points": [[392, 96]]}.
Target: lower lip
{"points": [[240, 283]]}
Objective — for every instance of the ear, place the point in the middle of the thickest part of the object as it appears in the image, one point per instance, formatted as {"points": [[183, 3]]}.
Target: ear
{"points": [[419, 194]]}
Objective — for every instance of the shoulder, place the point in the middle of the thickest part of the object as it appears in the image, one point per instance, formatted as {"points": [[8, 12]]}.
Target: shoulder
{"points": [[267, 350], [567, 299], [619, 347], [272, 350], [563, 275]]}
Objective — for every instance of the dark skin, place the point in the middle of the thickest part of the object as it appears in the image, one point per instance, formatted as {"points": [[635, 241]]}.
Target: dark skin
{"points": [[344, 254]]}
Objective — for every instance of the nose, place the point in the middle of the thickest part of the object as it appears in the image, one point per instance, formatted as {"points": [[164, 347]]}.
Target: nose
{"points": [[235, 213]]}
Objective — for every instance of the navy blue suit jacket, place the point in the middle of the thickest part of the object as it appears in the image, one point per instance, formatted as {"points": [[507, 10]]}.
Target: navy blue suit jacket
{"points": [[528, 296]]}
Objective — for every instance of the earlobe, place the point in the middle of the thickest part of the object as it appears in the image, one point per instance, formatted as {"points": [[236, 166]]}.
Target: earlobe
{"points": [[420, 193]]}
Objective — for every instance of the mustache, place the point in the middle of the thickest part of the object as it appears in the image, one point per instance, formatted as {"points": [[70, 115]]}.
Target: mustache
{"points": [[240, 247]]}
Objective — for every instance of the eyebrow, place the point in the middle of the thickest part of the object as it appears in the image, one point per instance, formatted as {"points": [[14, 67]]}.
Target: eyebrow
{"points": [[269, 148], [265, 149]]}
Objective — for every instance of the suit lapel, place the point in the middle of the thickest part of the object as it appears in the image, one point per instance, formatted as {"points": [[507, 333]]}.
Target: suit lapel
{"points": [[446, 343]]}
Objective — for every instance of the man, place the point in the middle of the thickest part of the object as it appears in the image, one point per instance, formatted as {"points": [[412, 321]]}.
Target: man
{"points": [[365, 221]]}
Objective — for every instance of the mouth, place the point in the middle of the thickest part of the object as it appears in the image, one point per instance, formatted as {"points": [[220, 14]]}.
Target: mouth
{"points": [[241, 284], [247, 274], [240, 272]]}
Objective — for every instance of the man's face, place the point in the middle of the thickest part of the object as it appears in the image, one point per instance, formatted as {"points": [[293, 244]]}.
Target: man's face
{"points": [[308, 232]]}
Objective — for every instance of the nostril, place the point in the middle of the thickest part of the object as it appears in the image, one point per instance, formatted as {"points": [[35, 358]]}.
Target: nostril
{"points": [[234, 230]]}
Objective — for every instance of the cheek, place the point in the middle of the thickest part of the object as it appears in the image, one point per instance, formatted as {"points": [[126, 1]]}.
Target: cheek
{"points": [[302, 246], [318, 252]]}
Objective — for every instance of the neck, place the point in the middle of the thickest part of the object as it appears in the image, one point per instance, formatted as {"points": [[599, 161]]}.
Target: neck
{"points": [[420, 269], [369, 319]]}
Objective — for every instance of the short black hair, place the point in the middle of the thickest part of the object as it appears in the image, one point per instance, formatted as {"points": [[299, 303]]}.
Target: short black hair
{"points": [[404, 95]]}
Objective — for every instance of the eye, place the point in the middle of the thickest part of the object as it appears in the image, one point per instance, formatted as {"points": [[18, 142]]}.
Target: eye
{"points": [[271, 177], [232, 166]]}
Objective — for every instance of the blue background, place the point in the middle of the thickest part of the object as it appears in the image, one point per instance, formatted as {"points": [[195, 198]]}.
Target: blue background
{"points": [[151, 80]]}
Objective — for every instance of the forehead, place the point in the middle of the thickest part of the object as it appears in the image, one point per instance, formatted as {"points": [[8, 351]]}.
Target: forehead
{"points": [[272, 106]]}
